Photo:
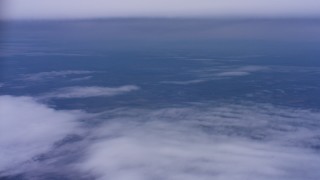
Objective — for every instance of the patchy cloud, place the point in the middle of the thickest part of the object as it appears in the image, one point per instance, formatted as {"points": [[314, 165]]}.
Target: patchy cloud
{"points": [[89, 91]]}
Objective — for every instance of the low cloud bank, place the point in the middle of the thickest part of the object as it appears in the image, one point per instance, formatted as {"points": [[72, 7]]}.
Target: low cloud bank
{"points": [[230, 142], [203, 141], [89, 91], [28, 128]]}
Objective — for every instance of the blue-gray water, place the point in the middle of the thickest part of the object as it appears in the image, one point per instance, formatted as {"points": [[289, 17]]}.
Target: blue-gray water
{"points": [[162, 99]]}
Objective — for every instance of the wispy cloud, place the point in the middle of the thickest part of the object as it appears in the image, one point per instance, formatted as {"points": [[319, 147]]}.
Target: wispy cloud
{"points": [[217, 73], [184, 82], [53, 74], [89, 91], [233, 73], [241, 71]]}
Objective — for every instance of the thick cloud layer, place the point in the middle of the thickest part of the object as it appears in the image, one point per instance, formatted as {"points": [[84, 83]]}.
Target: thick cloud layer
{"points": [[203, 141], [230, 142], [28, 129]]}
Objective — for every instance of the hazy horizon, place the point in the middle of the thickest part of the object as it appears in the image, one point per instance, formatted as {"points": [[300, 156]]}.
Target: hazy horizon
{"points": [[72, 9]]}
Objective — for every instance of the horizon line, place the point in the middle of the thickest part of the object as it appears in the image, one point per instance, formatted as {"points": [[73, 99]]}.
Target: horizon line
{"points": [[166, 18]]}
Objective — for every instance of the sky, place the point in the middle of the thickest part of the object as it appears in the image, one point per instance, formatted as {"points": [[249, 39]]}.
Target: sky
{"points": [[74, 9]]}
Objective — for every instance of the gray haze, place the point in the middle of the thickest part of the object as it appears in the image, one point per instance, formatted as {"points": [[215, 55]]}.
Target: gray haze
{"points": [[64, 9]]}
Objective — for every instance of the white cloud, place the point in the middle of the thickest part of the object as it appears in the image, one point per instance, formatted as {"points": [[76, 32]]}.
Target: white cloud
{"points": [[53, 74], [159, 157], [204, 143], [201, 141], [89, 91], [28, 129]]}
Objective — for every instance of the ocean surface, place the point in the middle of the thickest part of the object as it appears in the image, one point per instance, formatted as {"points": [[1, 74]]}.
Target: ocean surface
{"points": [[160, 99]]}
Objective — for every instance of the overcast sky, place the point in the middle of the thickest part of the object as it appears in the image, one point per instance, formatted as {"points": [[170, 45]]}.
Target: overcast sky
{"points": [[61, 9]]}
